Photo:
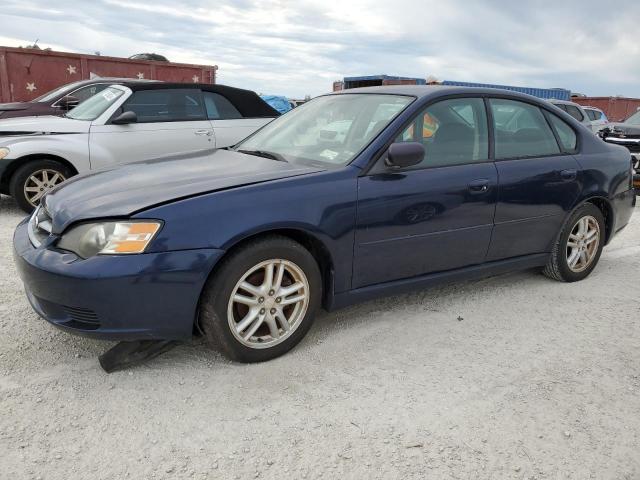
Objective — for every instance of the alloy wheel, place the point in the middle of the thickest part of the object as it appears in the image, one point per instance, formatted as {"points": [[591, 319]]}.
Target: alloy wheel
{"points": [[268, 303], [39, 183], [582, 244]]}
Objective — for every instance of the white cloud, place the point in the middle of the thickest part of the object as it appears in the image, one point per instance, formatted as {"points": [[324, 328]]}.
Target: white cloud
{"points": [[277, 46]]}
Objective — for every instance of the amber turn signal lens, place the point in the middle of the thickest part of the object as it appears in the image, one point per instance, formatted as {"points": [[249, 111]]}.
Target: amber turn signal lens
{"points": [[130, 237]]}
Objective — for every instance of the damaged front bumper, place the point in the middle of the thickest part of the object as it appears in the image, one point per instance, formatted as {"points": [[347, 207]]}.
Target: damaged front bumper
{"points": [[115, 297]]}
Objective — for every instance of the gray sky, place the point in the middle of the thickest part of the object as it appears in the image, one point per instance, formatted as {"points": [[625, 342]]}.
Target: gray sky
{"points": [[300, 47]]}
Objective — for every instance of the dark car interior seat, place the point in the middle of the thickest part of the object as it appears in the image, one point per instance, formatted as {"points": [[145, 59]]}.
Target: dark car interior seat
{"points": [[177, 107], [522, 142], [452, 143]]}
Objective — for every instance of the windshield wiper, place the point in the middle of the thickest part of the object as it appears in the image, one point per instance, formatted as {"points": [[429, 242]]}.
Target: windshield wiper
{"points": [[264, 154]]}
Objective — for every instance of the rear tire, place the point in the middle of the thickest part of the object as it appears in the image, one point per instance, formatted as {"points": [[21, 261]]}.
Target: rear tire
{"points": [[31, 181], [251, 310], [578, 247]]}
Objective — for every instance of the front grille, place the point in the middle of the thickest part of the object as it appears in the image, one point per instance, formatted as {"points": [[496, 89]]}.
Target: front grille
{"points": [[39, 226], [64, 315], [83, 315]]}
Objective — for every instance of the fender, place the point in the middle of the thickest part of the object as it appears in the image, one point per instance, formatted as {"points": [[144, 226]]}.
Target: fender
{"points": [[72, 147], [309, 237], [319, 207], [598, 201]]}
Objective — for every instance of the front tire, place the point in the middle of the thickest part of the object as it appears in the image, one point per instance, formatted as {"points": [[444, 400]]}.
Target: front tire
{"points": [[30, 182], [262, 300], [578, 247]]}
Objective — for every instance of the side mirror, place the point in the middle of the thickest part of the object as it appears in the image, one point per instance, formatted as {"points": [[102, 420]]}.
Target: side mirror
{"points": [[68, 102], [405, 154], [125, 118]]}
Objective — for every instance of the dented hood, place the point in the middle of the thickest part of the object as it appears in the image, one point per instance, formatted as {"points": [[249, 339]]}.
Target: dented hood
{"points": [[124, 190]]}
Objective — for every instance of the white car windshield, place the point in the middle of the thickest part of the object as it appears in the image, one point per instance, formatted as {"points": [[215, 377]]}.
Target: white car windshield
{"points": [[634, 119], [327, 131], [95, 106]]}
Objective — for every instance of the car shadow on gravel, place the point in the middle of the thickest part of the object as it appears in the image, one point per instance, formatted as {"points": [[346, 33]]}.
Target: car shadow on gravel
{"points": [[451, 300], [9, 206]]}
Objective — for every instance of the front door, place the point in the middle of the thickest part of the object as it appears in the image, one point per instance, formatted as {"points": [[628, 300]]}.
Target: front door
{"points": [[169, 121], [539, 178], [435, 216]]}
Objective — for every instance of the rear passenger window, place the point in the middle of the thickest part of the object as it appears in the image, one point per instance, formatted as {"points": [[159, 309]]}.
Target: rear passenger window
{"points": [[219, 108], [568, 138], [453, 132], [574, 112], [591, 114], [520, 130], [166, 105]]}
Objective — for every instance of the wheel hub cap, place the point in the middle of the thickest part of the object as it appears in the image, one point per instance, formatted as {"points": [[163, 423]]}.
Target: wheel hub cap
{"points": [[583, 243], [268, 303], [39, 183]]}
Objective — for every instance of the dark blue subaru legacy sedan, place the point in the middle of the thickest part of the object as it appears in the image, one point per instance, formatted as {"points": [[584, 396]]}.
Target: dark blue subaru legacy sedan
{"points": [[349, 197]]}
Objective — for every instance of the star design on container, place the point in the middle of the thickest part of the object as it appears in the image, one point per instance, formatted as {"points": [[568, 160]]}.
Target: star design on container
{"points": [[31, 86], [71, 69], [195, 78], [140, 75]]}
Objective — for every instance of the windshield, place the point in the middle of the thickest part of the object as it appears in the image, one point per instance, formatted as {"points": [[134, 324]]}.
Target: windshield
{"points": [[328, 130], [95, 106], [53, 94], [634, 119]]}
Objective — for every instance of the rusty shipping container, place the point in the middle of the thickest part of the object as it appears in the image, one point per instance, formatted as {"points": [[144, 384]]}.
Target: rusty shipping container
{"points": [[617, 109], [28, 73]]}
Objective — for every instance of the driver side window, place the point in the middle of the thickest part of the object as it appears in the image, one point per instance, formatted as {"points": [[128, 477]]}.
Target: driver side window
{"points": [[453, 132]]}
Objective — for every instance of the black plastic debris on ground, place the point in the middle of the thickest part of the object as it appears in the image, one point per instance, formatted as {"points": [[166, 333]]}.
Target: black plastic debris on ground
{"points": [[127, 354]]}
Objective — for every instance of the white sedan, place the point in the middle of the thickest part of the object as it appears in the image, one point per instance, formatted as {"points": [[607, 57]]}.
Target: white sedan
{"points": [[121, 124]]}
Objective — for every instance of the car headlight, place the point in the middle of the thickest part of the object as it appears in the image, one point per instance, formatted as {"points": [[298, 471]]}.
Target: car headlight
{"points": [[4, 151], [109, 238]]}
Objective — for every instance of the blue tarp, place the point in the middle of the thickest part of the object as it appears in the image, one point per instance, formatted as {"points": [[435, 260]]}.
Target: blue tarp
{"points": [[278, 102]]}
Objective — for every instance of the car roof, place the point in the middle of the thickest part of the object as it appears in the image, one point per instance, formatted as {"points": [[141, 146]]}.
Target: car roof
{"points": [[117, 80], [565, 102], [247, 102], [434, 91]]}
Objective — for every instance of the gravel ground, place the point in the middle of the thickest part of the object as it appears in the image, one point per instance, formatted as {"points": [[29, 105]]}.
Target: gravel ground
{"points": [[515, 376]]}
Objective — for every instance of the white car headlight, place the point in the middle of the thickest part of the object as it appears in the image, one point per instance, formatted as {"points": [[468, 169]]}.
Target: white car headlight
{"points": [[4, 151], [109, 238]]}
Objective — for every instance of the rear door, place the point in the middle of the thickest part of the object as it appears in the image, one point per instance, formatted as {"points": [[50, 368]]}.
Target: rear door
{"points": [[169, 121], [435, 216], [538, 177], [228, 123]]}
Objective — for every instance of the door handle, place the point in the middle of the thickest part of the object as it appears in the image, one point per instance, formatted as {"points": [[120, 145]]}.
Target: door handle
{"points": [[479, 186], [569, 174], [208, 133]]}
